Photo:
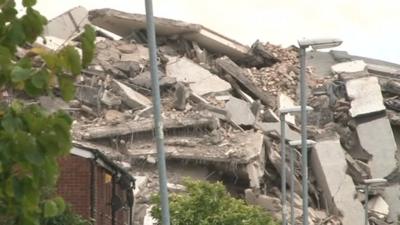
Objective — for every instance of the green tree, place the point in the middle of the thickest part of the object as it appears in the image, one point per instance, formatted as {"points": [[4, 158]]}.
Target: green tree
{"points": [[206, 203], [31, 140]]}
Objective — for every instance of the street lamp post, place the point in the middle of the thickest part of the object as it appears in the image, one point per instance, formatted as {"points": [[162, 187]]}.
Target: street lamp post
{"points": [[304, 44], [367, 183], [294, 144], [283, 112]]}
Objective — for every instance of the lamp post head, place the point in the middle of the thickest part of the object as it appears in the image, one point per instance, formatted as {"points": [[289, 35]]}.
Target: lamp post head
{"points": [[375, 181], [293, 109], [297, 143], [320, 43]]}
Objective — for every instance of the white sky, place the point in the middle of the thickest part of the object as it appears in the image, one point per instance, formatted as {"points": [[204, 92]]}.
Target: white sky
{"points": [[368, 27]]}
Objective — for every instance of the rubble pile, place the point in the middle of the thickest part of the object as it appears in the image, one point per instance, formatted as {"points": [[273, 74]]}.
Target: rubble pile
{"points": [[221, 122], [282, 77]]}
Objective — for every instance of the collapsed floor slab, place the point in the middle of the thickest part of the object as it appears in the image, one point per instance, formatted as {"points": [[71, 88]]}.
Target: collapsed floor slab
{"points": [[329, 165]]}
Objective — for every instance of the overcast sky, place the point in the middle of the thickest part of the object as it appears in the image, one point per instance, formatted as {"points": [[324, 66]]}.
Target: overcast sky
{"points": [[368, 27]]}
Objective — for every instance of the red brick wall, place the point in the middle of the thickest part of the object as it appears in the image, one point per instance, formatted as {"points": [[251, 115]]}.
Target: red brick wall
{"points": [[74, 186], [74, 183]]}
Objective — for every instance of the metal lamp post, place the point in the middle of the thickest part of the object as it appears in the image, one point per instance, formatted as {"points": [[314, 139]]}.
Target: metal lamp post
{"points": [[158, 124], [367, 183], [282, 116], [304, 44], [294, 144]]}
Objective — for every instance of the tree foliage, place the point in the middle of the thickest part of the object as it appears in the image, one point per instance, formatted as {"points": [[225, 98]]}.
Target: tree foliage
{"points": [[205, 203], [31, 140]]}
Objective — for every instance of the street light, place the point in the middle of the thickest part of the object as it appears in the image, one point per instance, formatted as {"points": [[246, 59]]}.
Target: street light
{"points": [[294, 144], [283, 112], [367, 183], [304, 44]]}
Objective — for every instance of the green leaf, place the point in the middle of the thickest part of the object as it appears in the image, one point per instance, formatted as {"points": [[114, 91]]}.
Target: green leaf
{"points": [[33, 23], [88, 45], [67, 87], [28, 3], [15, 35], [50, 209], [9, 11], [71, 60], [41, 79], [20, 74]]}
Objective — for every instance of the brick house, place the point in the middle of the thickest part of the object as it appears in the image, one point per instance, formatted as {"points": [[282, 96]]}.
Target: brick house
{"points": [[96, 187]]}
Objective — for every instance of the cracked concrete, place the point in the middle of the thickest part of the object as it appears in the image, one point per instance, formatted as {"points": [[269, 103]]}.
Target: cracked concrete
{"points": [[338, 188]]}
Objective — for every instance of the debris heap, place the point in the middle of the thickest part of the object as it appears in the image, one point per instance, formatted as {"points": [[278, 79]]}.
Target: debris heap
{"points": [[220, 101]]}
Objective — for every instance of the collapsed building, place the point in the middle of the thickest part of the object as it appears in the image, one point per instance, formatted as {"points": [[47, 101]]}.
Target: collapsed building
{"points": [[220, 103]]}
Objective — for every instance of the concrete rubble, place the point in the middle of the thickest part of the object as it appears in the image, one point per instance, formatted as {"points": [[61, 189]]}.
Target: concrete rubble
{"points": [[220, 103]]}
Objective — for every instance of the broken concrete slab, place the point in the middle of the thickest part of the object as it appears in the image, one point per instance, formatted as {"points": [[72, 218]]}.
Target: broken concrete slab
{"points": [[68, 25], [386, 71], [376, 137], [338, 187], [130, 97], [357, 66], [241, 150], [200, 80], [124, 24], [147, 125], [366, 96], [240, 112], [242, 77]]}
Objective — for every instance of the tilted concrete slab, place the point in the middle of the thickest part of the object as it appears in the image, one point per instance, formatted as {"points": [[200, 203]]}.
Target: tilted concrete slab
{"points": [[200, 80], [68, 25], [376, 137], [329, 165], [124, 24], [130, 97], [356, 66], [366, 96]]}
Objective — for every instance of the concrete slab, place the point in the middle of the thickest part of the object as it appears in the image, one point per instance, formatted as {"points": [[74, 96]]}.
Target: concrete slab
{"points": [[376, 137], [366, 96], [130, 97], [124, 24], [68, 25], [338, 187], [240, 112], [356, 66], [200, 80]]}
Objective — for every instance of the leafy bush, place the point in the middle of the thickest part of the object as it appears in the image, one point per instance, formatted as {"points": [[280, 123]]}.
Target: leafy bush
{"points": [[66, 218], [206, 203]]}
